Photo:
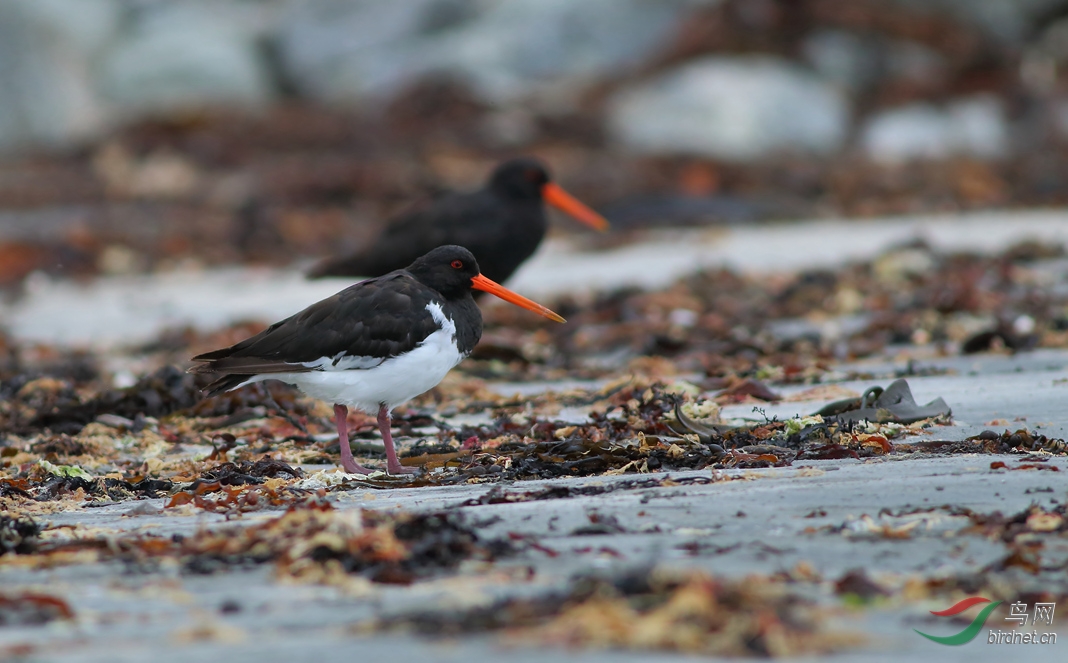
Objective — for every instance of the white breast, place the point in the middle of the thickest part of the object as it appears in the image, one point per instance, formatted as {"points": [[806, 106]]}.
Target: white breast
{"points": [[391, 382]]}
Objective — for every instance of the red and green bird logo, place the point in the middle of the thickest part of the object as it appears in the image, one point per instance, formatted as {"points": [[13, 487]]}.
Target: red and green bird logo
{"points": [[971, 630]]}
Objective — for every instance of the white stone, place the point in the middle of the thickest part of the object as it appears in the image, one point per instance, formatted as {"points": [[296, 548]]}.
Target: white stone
{"points": [[346, 50], [47, 51], [974, 126], [857, 62], [184, 56], [915, 131], [843, 57], [340, 51], [737, 108]]}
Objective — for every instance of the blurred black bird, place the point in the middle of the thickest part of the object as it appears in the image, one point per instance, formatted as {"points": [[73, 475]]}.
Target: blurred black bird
{"points": [[502, 224]]}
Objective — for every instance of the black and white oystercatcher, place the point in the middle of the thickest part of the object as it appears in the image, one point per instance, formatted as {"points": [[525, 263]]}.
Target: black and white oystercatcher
{"points": [[372, 346], [502, 224]]}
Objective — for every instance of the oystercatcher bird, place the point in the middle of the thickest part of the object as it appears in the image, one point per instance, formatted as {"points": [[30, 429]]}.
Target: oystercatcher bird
{"points": [[372, 346], [502, 224]]}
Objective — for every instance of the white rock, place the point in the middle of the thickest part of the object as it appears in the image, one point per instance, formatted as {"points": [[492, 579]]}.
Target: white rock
{"points": [[47, 51], [520, 43], [186, 55], [915, 131], [340, 51], [345, 50], [739, 108], [974, 126], [857, 62], [1024, 325], [980, 126], [86, 25], [843, 57]]}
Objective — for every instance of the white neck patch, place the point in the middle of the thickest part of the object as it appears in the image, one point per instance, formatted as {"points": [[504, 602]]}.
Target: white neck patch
{"points": [[447, 325]]}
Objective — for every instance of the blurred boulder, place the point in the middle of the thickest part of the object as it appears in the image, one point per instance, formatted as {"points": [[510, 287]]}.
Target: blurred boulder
{"points": [[860, 62], [342, 51], [345, 50], [1045, 60], [974, 126], [48, 49], [734, 108], [186, 55], [847, 58]]}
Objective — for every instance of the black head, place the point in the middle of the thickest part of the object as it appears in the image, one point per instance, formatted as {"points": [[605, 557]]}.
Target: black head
{"points": [[453, 272], [521, 178], [447, 269]]}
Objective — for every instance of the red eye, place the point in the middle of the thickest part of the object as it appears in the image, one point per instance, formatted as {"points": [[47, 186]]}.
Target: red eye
{"points": [[457, 264]]}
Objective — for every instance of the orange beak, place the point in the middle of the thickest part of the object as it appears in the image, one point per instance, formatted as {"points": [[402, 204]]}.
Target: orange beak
{"points": [[555, 195], [485, 285]]}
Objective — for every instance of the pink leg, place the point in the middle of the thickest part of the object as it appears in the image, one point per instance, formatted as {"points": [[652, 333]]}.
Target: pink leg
{"points": [[348, 463], [393, 465]]}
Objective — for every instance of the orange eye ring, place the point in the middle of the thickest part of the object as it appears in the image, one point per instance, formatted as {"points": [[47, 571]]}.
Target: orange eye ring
{"points": [[457, 264]]}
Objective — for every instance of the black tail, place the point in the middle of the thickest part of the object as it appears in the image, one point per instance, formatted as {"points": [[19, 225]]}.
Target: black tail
{"points": [[225, 383]]}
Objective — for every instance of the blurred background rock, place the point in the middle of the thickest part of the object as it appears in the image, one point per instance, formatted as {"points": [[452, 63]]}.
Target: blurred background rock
{"points": [[140, 134]]}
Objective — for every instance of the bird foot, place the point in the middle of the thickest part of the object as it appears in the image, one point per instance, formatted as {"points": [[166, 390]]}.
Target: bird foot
{"points": [[352, 467], [401, 469]]}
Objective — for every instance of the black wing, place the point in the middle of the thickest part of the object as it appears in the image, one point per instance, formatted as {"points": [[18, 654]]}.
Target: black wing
{"points": [[359, 327]]}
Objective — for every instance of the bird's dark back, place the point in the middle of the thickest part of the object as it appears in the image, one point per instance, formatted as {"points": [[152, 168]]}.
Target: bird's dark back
{"points": [[500, 232]]}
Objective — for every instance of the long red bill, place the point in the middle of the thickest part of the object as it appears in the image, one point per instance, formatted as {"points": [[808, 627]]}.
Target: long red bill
{"points": [[555, 195], [492, 287]]}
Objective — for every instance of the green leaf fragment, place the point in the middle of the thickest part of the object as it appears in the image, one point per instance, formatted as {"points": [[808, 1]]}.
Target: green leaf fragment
{"points": [[72, 471]]}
